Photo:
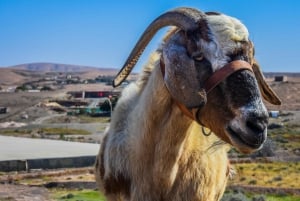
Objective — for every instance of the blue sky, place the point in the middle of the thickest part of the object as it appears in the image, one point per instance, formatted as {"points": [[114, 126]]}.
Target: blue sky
{"points": [[102, 33]]}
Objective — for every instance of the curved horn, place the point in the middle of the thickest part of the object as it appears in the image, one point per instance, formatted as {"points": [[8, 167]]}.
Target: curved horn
{"points": [[184, 18]]}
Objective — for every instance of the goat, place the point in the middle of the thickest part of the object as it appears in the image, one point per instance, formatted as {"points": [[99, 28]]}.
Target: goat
{"points": [[203, 76]]}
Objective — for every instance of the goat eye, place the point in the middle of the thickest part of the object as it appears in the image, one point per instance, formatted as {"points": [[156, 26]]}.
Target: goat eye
{"points": [[198, 57]]}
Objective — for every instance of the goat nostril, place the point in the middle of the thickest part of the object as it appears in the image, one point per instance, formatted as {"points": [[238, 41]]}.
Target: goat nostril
{"points": [[256, 126]]}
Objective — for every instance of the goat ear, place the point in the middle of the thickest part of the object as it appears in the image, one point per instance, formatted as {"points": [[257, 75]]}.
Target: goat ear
{"points": [[181, 76], [266, 91]]}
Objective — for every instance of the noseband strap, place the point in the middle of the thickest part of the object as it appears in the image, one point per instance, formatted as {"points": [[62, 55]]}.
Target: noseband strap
{"points": [[224, 72]]}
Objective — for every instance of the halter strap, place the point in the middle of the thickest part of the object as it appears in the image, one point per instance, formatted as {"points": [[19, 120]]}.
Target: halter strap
{"points": [[224, 72], [216, 78]]}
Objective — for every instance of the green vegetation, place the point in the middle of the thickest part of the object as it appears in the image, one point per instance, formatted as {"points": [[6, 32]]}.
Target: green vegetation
{"points": [[241, 196], [16, 132], [63, 131], [21, 88], [46, 88], [283, 138], [277, 174], [89, 119], [286, 137], [84, 195], [84, 119], [283, 198]]}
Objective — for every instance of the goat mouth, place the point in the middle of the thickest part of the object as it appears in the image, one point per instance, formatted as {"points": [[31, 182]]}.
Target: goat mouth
{"points": [[240, 142]]}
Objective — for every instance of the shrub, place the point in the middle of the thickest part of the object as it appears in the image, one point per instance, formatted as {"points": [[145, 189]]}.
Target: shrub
{"points": [[252, 182], [279, 178], [259, 198], [234, 197], [21, 88], [267, 150], [46, 88]]}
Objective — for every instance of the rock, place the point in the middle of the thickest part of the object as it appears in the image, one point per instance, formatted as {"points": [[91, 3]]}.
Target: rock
{"points": [[275, 126]]}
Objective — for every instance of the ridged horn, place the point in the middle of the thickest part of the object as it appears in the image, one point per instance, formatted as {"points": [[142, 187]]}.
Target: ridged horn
{"points": [[184, 18]]}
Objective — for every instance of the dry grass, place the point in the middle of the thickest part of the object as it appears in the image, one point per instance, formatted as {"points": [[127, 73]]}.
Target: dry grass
{"points": [[278, 174], [84, 119], [44, 131]]}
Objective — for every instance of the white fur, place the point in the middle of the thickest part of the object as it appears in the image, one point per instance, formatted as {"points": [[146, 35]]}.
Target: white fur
{"points": [[226, 31]]}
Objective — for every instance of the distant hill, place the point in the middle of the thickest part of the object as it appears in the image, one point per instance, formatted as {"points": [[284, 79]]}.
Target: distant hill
{"points": [[18, 74], [54, 67]]}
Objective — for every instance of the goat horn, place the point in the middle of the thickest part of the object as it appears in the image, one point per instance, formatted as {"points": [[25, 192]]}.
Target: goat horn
{"points": [[183, 18]]}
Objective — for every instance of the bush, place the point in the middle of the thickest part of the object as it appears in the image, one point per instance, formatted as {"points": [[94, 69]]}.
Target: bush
{"points": [[279, 178], [240, 196], [267, 150], [234, 197], [21, 88], [252, 182], [46, 88], [259, 198]]}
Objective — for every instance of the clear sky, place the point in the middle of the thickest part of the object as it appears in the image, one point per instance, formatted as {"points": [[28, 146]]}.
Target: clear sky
{"points": [[102, 33]]}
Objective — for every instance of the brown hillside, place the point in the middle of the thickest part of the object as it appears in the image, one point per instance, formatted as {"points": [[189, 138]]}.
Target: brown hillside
{"points": [[11, 77], [55, 67], [289, 93], [19, 74]]}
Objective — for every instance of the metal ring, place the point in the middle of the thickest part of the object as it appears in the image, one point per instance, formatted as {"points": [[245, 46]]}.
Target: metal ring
{"points": [[204, 133]]}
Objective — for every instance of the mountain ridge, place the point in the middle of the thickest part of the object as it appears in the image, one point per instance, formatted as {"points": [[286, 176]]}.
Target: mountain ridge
{"points": [[19, 74], [55, 67]]}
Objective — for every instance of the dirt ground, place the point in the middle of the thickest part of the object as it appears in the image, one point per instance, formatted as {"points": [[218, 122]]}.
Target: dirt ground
{"points": [[33, 186], [12, 192], [25, 103]]}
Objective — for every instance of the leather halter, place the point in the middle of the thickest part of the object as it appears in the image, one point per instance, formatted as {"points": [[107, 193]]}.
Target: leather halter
{"points": [[216, 78], [224, 72]]}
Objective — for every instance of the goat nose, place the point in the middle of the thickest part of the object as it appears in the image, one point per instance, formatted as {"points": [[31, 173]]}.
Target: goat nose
{"points": [[257, 128], [257, 124]]}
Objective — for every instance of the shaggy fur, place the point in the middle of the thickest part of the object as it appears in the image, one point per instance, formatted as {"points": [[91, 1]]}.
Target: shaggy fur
{"points": [[170, 160]]}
